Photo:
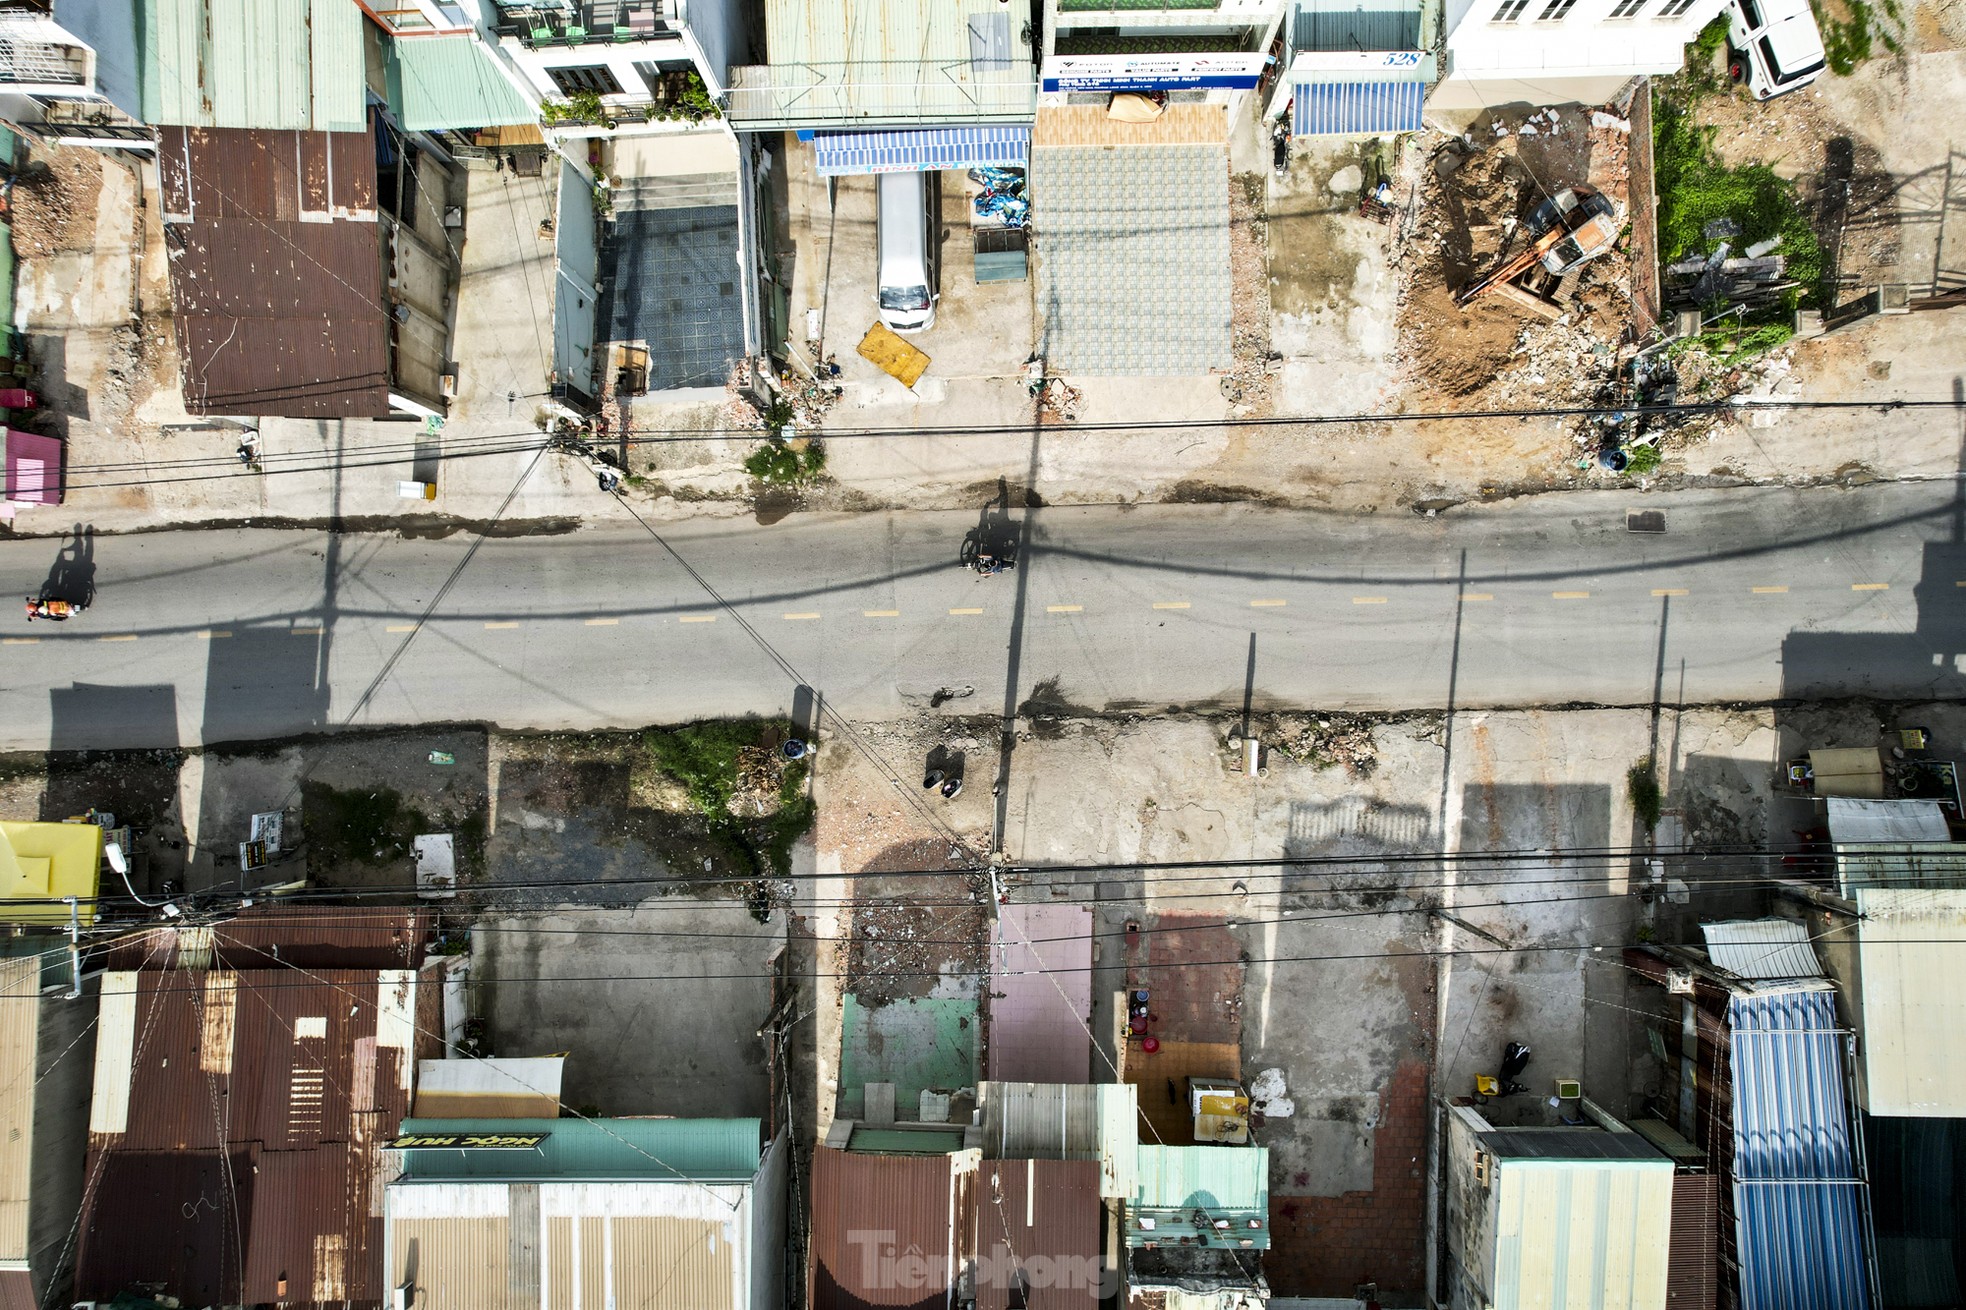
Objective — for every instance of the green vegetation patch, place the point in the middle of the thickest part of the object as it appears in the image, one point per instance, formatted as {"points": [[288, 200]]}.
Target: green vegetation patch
{"points": [[1642, 786], [1696, 187], [777, 464], [750, 797]]}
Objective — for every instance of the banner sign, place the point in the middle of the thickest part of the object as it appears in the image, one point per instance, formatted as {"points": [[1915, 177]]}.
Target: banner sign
{"points": [[1176, 72], [466, 1141], [1354, 62]]}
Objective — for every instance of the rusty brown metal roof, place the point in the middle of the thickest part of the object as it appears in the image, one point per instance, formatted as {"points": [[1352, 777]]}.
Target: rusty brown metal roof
{"points": [[884, 1229], [339, 937], [164, 1217], [276, 271], [1038, 1219], [295, 1075]]}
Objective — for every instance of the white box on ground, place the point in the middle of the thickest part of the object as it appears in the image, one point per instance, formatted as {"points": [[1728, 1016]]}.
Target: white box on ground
{"points": [[436, 867]]}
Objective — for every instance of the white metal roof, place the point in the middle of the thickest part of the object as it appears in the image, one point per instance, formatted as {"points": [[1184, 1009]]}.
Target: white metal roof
{"points": [[1928, 864], [489, 1088], [1859, 821], [1762, 948], [1909, 961]]}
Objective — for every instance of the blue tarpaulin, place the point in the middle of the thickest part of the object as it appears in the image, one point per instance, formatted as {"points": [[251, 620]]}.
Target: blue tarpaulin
{"points": [[842, 154], [1357, 108]]}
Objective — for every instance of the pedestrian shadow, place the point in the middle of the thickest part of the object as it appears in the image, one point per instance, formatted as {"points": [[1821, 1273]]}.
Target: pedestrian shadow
{"points": [[72, 577]]}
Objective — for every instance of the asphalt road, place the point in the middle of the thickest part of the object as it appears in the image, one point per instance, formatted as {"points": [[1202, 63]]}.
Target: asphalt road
{"points": [[1749, 594]]}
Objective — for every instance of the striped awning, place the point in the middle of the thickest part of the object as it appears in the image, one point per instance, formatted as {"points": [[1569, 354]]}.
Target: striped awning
{"points": [[842, 154], [1357, 108]]}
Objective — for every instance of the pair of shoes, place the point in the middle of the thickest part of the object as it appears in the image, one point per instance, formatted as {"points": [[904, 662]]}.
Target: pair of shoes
{"points": [[933, 780]]}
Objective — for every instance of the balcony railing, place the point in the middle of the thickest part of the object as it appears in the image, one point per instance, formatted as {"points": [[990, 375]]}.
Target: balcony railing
{"points": [[41, 63], [591, 22], [1131, 6]]}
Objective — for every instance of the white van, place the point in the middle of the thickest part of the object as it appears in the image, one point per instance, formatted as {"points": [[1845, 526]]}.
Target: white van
{"points": [[1777, 46], [905, 239]]}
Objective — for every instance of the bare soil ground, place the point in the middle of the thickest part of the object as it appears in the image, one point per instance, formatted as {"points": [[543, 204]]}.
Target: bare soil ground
{"points": [[54, 201]]}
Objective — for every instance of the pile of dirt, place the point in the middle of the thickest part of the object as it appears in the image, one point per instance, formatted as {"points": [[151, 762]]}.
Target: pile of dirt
{"points": [[1247, 386], [1323, 741], [898, 949], [1474, 194], [54, 201]]}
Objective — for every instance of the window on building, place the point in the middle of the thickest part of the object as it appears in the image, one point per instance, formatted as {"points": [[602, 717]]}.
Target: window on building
{"points": [[1510, 10], [1627, 8], [597, 78], [1555, 11], [1675, 8]]}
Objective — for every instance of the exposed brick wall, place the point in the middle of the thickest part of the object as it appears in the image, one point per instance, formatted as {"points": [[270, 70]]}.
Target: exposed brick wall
{"points": [[1328, 1245]]}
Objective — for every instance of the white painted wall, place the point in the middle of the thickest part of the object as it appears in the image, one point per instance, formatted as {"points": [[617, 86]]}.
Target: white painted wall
{"points": [[1496, 56]]}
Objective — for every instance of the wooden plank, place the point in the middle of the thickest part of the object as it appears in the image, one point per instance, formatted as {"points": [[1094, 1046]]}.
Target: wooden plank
{"points": [[893, 356]]}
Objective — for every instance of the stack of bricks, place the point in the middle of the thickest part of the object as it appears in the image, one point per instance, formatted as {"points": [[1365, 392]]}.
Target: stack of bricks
{"points": [[1328, 1245]]}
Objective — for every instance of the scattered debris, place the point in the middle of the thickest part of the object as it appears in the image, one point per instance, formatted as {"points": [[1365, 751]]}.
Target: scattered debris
{"points": [[1323, 741]]}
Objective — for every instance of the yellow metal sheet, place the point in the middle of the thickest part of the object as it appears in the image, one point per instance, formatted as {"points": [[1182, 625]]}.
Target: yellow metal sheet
{"points": [[893, 356]]}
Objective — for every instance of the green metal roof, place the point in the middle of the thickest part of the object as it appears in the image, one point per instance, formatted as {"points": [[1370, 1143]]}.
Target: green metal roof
{"points": [[451, 82], [1229, 1184], [269, 64], [695, 1150]]}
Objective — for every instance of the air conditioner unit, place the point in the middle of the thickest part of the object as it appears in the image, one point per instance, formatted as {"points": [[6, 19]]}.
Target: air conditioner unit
{"points": [[1569, 1089], [1679, 982]]}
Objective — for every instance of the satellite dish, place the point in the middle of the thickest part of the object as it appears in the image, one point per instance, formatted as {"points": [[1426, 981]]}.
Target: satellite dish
{"points": [[114, 854]]}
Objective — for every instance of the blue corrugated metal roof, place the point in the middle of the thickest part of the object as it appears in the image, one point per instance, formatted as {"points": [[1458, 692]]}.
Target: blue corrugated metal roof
{"points": [[842, 154], [696, 1150], [1357, 108], [1796, 1189]]}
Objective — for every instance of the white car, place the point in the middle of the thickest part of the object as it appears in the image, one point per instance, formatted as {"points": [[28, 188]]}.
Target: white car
{"points": [[1777, 47]]}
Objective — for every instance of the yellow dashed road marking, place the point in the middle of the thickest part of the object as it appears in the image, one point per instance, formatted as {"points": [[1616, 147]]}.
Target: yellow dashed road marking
{"points": [[1668, 591], [400, 627], [603, 623], [1063, 609], [20, 641], [1570, 595], [1368, 600], [1769, 591], [313, 631], [697, 618], [1267, 604], [804, 614], [1182, 604], [212, 634], [880, 614], [1870, 586], [503, 623], [1477, 595], [977, 610], [119, 636]]}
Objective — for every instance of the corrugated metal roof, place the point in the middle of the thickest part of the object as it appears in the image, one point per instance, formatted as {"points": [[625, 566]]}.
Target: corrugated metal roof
{"points": [[289, 1077], [292, 64], [1909, 960], [357, 937], [1903, 864], [1582, 1232], [1762, 948], [499, 1088], [1580, 1145], [846, 154], [168, 1217], [20, 1024], [657, 1246], [701, 1150], [276, 271], [1053, 1121], [451, 82], [1346, 25], [1041, 994], [1039, 1219], [1229, 1183], [33, 470], [1371, 108], [877, 62], [1692, 1264], [1855, 821], [1796, 1202], [887, 1231]]}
